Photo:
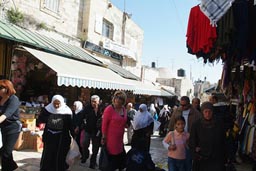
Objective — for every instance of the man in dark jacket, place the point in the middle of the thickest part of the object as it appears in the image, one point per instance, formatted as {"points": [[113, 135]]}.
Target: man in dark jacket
{"points": [[191, 115], [90, 122]]}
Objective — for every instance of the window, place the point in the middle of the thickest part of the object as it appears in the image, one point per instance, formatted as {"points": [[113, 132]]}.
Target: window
{"points": [[107, 29], [52, 5]]}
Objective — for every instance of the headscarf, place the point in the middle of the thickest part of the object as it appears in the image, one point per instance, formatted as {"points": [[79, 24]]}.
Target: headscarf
{"points": [[152, 109], [63, 109], [206, 105], [142, 119], [163, 110], [79, 106]]}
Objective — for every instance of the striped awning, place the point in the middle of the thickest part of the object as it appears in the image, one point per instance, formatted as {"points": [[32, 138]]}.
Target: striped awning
{"points": [[76, 73]]}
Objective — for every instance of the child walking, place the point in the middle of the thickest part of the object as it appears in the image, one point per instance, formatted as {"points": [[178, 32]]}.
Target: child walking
{"points": [[138, 158], [176, 141]]}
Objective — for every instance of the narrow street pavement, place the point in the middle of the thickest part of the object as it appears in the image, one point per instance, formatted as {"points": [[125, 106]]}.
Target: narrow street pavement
{"points": [[29, 160]]}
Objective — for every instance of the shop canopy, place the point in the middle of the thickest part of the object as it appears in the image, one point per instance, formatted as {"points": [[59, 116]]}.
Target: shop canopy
{"points": [[140, 87], [148, 89], [76, 73], [34, 39], [74, 66], [123, 72]]}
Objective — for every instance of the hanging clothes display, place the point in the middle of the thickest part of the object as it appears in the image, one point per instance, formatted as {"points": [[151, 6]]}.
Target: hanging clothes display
{"points": [[226, 31], [200, 34]]}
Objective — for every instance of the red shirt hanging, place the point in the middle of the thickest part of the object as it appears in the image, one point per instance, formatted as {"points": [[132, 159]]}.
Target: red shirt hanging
{"points": [[200, 34]]}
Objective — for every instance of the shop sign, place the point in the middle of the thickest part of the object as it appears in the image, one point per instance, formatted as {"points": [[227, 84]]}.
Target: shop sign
{"points": [[102, 50]]}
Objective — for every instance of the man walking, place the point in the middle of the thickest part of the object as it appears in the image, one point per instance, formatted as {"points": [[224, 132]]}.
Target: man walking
{"points": [[130, 114], [91, 117], [191, 115]]}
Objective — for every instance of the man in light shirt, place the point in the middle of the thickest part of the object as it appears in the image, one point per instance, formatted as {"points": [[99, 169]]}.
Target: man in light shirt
{"points": [[130, 114]]}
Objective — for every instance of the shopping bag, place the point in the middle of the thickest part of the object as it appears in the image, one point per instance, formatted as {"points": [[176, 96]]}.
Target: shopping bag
{"points": [[82, 138], [123, 159], [73, 152], [104, 159], [156, 125]]}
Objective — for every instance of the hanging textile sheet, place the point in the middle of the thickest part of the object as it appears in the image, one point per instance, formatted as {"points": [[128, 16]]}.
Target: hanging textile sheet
{"points": [[215, 9]]}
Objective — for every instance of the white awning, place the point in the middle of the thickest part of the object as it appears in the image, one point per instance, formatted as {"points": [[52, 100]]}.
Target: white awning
{"points": [[76, 73], [148, 89]]}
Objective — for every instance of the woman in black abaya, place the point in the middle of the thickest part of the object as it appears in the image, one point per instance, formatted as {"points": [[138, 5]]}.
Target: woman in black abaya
{"points": [[207, 142], [57, 117]]}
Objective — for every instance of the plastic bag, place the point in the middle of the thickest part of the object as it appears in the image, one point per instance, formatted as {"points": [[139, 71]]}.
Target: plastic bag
{"points": [[156, 125], [72, 153]]}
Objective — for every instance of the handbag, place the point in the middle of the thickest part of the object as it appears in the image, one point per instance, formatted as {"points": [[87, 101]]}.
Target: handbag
{"points": [[156, 125], [123, 159], [104, 159]]}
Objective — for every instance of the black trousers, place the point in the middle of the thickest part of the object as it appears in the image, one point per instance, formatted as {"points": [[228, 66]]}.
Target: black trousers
{"points": [[10, 133], [96, 142]]}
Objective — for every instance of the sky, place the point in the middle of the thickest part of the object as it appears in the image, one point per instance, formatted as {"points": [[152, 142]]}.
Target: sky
{"points": [[164, 23]]}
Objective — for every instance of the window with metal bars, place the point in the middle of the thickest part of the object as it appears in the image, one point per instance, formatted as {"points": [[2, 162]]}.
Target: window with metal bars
{"points": [[52, 5], [107, 29]]}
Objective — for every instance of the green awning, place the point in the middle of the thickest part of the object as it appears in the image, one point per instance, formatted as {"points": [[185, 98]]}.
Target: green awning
{"points": [[27, 37], [121, 71]]}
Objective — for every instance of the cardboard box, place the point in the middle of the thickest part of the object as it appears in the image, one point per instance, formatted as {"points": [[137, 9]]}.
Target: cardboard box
{"points": [[23, 140], [37, 144], [28, 123], [27, 116]]}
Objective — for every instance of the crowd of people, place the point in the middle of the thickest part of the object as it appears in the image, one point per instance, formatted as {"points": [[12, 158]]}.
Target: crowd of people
{"points": [[193, 137]]}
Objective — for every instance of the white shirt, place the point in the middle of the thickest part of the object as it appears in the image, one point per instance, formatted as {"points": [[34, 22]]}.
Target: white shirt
{"points": [[185, 115]]}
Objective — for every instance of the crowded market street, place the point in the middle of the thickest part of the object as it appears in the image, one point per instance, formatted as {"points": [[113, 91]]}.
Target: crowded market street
{"points": [[30, 160]]}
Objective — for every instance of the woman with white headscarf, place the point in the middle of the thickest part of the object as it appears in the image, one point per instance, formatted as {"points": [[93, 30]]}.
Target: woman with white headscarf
{"points": [[143, 125], [152, 109], [77, 108], [163, 119], [57, 117]]}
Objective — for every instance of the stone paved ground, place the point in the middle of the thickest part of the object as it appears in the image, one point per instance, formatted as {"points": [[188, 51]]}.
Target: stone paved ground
{"points": [[29, 160]]}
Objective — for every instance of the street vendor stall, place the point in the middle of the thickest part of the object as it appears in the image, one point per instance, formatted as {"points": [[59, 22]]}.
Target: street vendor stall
{"points": [[230, 37]]}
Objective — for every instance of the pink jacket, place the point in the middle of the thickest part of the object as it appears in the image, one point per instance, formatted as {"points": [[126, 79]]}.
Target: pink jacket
{"points": [[113, 126]]}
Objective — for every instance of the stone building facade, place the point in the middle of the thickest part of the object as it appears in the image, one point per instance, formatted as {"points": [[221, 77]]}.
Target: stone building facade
{"points": [[95, 22]]}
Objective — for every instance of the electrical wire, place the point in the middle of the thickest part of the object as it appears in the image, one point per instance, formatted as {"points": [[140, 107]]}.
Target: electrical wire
{"points": [[178, 17]]}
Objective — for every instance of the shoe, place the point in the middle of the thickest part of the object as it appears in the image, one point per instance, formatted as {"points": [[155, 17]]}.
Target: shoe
{"points": [[82, 163], [238, 160], [92, 166]]}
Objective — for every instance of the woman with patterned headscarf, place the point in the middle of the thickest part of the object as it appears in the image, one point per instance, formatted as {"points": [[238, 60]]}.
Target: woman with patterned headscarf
{"points": [[57, 117]]}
